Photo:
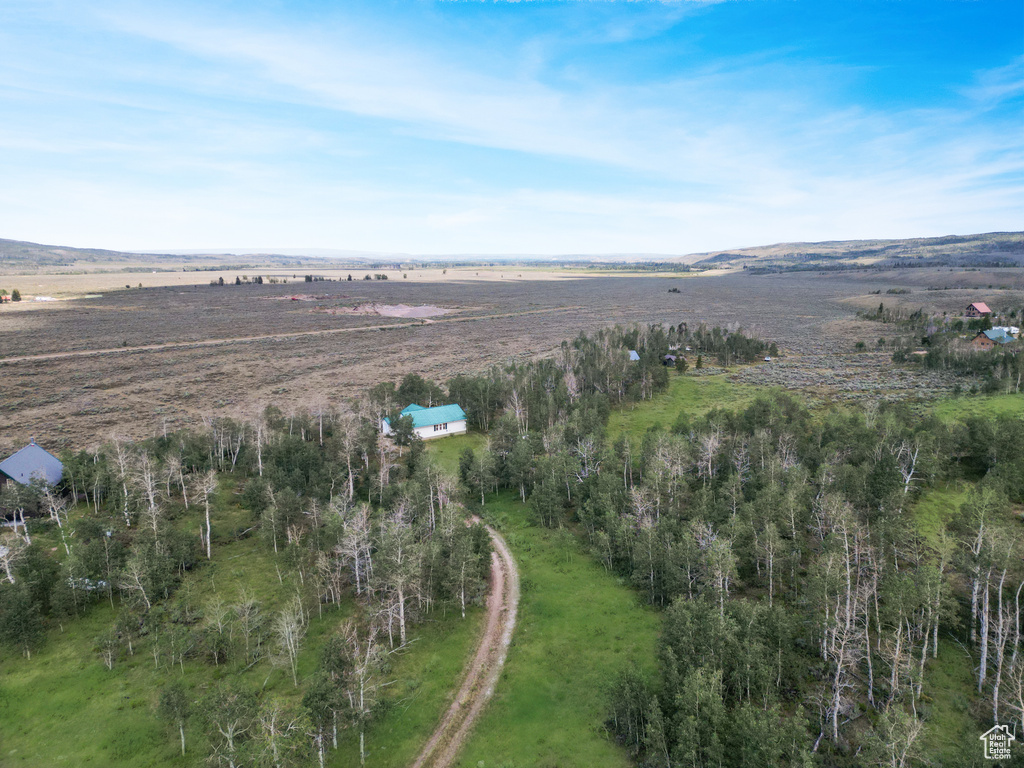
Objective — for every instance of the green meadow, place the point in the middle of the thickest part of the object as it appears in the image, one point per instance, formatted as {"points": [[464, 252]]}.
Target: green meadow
{"points": [[988, 406], [692, 395], [577, 627]]}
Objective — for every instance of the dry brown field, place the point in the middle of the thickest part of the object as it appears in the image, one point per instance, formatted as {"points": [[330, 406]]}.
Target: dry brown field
{"points": [[136, 361]]}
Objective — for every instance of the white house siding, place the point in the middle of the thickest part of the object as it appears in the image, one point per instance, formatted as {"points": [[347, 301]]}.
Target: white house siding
{"points": [[451, 428]]}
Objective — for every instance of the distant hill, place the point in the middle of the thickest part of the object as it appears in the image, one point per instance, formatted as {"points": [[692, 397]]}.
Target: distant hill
{"points": [[18, 256], [995, 249], [17, 253]]}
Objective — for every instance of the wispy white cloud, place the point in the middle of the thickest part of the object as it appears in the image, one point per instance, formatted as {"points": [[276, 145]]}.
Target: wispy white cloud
{"points": [[996, 86], [281, 133]]}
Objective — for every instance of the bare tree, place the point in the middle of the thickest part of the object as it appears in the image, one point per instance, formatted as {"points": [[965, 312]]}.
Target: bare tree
{"points": [[769, 544], [709, 445], [122, 460], [840, 594], [398, 555], [249, 620], [347, 430], [134, 576], [897, 736], [289, 630], [231, 716], [320, 408], [906, 454], [386, 451], [644, 526], [57, 506], [260, 436], [721, 567], [276, 729], [366, 656], [109, 648], [519, 409], [12, 548], [205, 487], [144, 477]]}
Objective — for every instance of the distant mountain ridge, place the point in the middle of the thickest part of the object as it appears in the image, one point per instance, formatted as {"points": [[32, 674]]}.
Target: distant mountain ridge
{"points": [[989, 249], [19, 255]]}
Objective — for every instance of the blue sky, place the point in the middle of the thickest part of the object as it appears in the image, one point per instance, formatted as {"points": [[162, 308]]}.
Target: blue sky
{"points": [[530, 127]]}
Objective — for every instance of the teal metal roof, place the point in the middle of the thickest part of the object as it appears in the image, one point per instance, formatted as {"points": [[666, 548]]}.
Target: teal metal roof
{"points": [[1000, 336], [439, 414]]}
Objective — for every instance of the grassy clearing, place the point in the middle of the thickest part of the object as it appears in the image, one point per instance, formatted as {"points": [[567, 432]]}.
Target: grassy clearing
{"points": [[447, 450], [987, 406], [950, 732], [936, 508], [577, 627], [693, 394]]}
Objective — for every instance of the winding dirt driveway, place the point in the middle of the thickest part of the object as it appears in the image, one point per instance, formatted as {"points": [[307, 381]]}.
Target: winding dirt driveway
{"points": [[482, 673]]}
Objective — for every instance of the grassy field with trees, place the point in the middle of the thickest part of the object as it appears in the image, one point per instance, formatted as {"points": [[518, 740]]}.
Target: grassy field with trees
{"points": [[712, 574]]}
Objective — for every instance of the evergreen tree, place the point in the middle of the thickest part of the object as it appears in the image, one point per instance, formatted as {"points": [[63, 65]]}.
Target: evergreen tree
{"points": [[21, 621]]}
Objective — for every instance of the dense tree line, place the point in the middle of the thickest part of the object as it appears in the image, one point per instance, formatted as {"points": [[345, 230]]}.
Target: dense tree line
{"points": [[802, 604]]}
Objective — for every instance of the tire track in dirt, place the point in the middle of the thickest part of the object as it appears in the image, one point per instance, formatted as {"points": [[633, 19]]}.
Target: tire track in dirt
{"points": [[269, 337], [482, 673]]}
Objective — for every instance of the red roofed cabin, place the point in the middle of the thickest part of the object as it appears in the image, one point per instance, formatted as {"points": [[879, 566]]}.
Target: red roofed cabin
{"points": [[978, 309]]}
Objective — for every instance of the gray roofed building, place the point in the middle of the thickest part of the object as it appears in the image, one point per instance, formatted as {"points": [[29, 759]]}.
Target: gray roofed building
{"points": [[32, 462]]}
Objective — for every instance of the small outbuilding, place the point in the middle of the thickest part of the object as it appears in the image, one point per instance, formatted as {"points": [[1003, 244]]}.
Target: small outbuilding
{"points": [[31, 463], [429, 423], [978, 309], [634, 356], [669, 360]]}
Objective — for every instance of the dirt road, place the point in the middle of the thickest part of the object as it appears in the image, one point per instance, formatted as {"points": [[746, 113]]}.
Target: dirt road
{"points": [[483, 672]]}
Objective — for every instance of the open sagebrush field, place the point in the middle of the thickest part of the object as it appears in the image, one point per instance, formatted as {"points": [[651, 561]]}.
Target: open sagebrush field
{"points": [[133, 361]]}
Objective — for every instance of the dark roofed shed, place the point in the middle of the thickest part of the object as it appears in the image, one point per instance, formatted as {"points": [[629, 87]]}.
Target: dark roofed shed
{"points": [[32, 462]]}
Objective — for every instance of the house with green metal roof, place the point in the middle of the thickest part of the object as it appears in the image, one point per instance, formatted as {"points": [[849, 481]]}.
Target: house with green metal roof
{"points": [[430, 423], [991, 338]]}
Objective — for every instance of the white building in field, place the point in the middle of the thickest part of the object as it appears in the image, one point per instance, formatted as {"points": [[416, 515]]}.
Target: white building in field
{"points": [[428, 423]]}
